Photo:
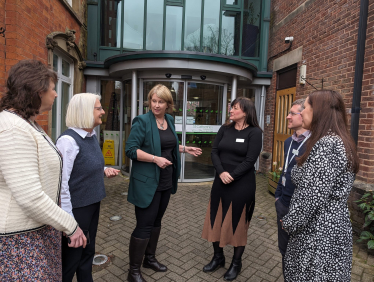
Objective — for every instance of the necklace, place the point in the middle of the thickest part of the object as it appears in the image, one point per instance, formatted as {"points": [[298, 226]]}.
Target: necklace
{"points": [[161, 125], [242, 127]]}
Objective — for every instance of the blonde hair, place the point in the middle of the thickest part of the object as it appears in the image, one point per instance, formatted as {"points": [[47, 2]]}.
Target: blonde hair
{"points": [[163, 93], [80, 110]]}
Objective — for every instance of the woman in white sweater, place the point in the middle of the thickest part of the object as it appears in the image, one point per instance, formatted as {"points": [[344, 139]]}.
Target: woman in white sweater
{"points": [[30, 177]]}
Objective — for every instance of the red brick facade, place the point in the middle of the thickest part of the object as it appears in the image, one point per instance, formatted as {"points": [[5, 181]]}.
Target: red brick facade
{"points": [[27, 23], [327, 31]]}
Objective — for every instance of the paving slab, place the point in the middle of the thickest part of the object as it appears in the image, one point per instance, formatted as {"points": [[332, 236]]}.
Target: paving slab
{"points": [[181, 247]]}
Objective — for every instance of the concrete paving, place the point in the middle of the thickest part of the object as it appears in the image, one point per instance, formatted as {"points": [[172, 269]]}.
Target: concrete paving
{"points": [[181, 247]]}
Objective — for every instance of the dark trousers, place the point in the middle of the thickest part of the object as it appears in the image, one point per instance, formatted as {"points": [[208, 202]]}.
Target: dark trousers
{"points": [[79, 260], [151, 216], [283, 236]]}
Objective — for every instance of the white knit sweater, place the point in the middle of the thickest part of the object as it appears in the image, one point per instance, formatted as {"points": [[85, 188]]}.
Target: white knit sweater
{"points": [[30, 176]]}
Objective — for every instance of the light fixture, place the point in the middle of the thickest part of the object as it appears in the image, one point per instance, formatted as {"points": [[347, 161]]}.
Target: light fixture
{"points": [[302, 74]]}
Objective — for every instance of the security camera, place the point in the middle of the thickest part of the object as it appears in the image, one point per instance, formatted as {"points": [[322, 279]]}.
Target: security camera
{"points": [[203, 77], [168, 75], [288, 39]]}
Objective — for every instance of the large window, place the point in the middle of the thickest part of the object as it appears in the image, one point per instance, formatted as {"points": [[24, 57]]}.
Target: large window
{"points": [[64, 68], [227, 27]]}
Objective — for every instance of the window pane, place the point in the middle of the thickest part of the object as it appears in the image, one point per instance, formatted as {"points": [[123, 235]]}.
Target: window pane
{"points": [[110, 128], [173, 31], [54, 119], [65, 90], [155, 13], [110, 22], [230, 33], [65, 68], [55, 62], [211, 26], [231, 2], [133, 24], [251, 28], [192, 25]]}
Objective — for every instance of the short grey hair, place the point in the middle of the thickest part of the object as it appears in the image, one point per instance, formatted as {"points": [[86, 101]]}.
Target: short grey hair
{"points": [[80, 110], [299, 102]]}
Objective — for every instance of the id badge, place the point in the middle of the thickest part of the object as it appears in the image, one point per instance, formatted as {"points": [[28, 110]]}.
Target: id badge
{"points": [[283, 180]]}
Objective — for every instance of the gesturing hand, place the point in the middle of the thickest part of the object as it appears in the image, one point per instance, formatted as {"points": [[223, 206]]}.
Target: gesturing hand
{"points": [[194, 151], [162, 162], [111, 172], [226, 177]]}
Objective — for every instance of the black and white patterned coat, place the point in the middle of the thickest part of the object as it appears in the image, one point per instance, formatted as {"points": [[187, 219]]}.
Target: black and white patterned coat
{"points": [[320, 245]]}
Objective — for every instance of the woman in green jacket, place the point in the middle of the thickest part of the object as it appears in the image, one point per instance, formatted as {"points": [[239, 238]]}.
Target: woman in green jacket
{"points": [[154, 150]]}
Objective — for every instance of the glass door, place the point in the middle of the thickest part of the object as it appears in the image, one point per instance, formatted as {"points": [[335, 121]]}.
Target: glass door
{"points": [[202, 121], [198, 116]]}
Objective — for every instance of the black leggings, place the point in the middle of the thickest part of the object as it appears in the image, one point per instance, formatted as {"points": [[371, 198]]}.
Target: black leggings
{"points": [[151, 216]]}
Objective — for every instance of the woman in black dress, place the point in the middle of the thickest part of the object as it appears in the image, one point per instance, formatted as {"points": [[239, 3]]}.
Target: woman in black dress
{"points": [[234, 154]]}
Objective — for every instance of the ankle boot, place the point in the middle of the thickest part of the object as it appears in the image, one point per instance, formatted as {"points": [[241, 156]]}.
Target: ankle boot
{"points": [[150, 260], [234, 270], [136, 252], [217, 261]]}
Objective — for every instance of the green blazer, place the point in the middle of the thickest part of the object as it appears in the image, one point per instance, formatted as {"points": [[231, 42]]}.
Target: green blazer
{"points": [[144, 177]]}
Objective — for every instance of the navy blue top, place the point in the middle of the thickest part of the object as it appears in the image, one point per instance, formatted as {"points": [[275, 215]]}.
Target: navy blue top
{"points": [[284, 193], [86, 183]]}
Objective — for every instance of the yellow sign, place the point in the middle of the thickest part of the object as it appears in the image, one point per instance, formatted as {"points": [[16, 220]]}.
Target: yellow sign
{"points": [[108, 152]]}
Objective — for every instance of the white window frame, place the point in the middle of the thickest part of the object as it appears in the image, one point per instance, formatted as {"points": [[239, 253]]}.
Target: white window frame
{"points": [[62, 78]]}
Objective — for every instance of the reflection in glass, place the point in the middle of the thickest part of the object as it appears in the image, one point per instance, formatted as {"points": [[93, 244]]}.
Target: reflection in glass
{"points": [[230, 39], [231, 2], [251, 28], [133, 24], [202, 166], [173, 29], [177, 91], [204, 104], [110, 128], [65, 90], [65, 68], [110, 22], [211, 26], [55, 62], [155, 13], [192, 25]]}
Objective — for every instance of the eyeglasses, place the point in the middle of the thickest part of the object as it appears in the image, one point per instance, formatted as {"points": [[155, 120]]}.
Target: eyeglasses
{"points": [[98, 108], [293, 114]]}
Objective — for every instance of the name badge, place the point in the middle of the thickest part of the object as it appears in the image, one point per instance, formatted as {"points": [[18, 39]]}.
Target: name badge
{"points": [[283, 180], [295, 152], [239, 140]]}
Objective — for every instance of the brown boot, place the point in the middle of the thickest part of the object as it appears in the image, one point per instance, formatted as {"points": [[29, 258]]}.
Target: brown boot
{"points": [[136, 252], [150, 260]]}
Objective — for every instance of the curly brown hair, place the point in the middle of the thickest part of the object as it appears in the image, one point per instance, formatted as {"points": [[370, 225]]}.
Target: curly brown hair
{"points": [[26, 81]]}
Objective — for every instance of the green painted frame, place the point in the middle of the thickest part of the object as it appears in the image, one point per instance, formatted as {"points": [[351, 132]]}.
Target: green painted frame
{"points": [[260, 62]]}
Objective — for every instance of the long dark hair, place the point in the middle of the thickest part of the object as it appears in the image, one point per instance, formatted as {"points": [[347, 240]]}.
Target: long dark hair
{"points": [[26, 81], [247, 106], [329, 115]]}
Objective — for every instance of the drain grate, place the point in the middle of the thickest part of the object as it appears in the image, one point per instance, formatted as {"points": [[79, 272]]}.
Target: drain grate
{"points": [[99, 259], [115, 217]]}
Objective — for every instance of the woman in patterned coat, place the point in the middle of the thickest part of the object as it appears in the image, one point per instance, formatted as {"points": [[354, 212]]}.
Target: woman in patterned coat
{"points": [[320, 245]]}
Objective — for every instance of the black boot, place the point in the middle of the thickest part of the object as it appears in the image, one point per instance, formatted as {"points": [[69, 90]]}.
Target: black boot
{"points": [[234, 270], [217, 261], [150, 260], [136, 252]]}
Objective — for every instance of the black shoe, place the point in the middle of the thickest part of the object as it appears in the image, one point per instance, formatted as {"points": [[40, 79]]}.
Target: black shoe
{"points": [[136, 251], [234, 270], [217, 261], [150, 260]]}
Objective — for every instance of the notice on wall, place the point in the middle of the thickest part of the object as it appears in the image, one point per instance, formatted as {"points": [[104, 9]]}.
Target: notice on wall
{"points": [[202, 128], [178, 120]]}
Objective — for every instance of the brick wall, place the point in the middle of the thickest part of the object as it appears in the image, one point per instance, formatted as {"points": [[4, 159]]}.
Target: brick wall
{"points": [[327, 32], [28, 22]]}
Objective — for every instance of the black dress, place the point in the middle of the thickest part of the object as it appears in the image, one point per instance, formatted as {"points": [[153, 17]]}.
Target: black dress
{"points": [[231, 205]]}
